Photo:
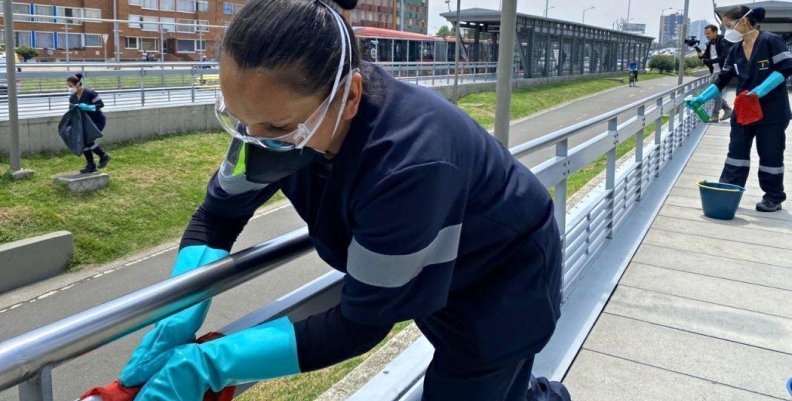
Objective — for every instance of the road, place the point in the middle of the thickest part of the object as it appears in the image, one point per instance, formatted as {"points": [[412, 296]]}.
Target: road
{"points": [[32, 307]]}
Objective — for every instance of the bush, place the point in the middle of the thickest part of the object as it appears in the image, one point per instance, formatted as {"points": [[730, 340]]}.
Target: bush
{"points": [[663, 63], [26, 52], [693, 62]]}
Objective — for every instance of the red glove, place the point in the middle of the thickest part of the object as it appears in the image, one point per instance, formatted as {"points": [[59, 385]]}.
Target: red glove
{"points": [[116, 392], [747, 108]]}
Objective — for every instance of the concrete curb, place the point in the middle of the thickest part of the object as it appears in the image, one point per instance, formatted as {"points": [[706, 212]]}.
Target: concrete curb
{"points": [[32, 259]]}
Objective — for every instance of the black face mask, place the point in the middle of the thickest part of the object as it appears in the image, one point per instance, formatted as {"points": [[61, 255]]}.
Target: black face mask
{"points": [[266, 166]]}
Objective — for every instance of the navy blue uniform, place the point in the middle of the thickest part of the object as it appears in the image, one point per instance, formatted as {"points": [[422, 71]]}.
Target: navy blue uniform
{"points": [[769, 54], [90, 97], [432, 220]]}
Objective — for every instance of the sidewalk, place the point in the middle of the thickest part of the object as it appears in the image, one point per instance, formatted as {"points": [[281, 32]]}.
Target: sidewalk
{"points": [[704, 311]]}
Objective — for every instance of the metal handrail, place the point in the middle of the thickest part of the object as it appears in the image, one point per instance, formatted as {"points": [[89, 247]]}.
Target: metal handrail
{"points": [[28, 359]]}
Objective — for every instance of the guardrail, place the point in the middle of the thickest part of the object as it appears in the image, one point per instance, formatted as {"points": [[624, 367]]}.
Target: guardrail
{"points": [[42, 86], [28, 360]]}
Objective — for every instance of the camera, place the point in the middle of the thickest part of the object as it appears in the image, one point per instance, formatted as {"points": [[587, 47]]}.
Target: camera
{"points": [[692, 42]]}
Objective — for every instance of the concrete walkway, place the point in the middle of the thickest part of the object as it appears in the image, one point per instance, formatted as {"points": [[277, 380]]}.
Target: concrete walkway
{"points": [[704, 311]]}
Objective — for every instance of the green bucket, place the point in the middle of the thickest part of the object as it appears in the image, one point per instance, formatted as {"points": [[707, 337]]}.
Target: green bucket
{"points": [[720, 200]]}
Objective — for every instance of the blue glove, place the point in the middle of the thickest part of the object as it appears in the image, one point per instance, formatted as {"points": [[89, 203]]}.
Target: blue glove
{"points": [[710, 93], [774, 79], [175, 330], [258, 353], [86, 107]]}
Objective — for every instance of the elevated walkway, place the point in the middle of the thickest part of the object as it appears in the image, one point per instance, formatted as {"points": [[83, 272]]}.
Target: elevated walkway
{"points": [[704, 309]]}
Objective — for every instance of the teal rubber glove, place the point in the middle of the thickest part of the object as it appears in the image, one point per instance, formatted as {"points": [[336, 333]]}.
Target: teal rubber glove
{"points": [[774, 79], [86, 107], [175, 330], [258, 353], [710, 93]]}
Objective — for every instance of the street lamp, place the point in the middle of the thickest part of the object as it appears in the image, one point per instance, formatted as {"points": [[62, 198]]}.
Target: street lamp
{"points": [[547, 7], [583, 21], [547, 12], [660, 33]]}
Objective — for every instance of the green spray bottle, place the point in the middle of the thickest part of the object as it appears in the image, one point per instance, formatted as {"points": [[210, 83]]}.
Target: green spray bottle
{"points": [[698, 109]]}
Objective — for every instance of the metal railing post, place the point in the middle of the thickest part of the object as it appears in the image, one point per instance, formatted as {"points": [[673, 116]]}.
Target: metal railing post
{"points": [[672, 125], [142, 87], [192, 84], [610, 175], [658, 140], [560, 196], [639, 151], [37, 388]]}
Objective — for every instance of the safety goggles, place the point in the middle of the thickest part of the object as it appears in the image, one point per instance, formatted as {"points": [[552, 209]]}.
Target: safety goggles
{"points": [[293, 140]]}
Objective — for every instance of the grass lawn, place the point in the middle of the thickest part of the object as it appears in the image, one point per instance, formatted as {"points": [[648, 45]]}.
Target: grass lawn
{"points": [[155, 187], [481, 106]]}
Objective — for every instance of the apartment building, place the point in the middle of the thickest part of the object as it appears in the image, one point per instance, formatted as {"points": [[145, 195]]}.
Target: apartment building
{"points": [[173, 30], [387, 14]]}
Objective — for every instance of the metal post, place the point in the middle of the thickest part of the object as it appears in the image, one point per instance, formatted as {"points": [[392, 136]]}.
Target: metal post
{"points": [[457, 43], [658, 140], [401, 15], [38, 388], [116, 38], [639, 150], [508, 29], [547, 4], [13, 110], [162, 44], [560, 198], [66, 28], [610, 175], [682, 34]]}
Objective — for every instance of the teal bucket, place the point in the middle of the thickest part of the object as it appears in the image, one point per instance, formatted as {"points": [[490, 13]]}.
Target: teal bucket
{"points": [[719, 200]]}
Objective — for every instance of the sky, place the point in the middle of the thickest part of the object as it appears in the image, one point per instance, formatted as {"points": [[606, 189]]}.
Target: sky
{"points": [[604, 14]]}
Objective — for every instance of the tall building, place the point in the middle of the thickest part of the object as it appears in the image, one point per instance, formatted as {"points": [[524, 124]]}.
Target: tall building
{"points": [[175, 30], [669, 29], [697, 29], [387, 14]]}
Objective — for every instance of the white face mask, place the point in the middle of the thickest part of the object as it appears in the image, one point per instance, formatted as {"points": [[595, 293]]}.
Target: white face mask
{"points": [[733, 35], [72, 90]]}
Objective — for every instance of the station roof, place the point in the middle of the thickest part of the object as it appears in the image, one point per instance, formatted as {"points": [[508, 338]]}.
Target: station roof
{"points": [[492, 17]]}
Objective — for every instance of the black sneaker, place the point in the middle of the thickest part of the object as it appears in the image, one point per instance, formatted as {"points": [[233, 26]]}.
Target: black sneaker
{"points": [[90, 168], [768, 206], [104, 160]]}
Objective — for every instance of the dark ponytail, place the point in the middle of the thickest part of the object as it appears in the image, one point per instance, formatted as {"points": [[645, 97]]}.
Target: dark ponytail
{"points": [[298, 39], [737, 12], [75, 79]]}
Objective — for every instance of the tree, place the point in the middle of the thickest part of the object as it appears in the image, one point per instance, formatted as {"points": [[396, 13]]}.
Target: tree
{"points": [[26, 52], [445, 31]]}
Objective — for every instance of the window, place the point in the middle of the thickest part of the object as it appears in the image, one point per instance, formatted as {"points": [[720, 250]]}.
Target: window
{"points": [[200, 45], [202, 26], [150, 24], [134, 21], [168, 24], [45, 40], [18, 9], [150, 5], [185, 6], [131, 43], [75, 40], [185, 25], [202, 5], [93, 40], [43, 10], [149, 45], [228, 8], [185, 46], [167, 5], [135, 2], [23, 38], [92, 13], [69, 12]]}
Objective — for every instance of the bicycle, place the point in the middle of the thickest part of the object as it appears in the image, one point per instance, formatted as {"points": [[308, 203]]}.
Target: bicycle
{"points": [[633, 79]]}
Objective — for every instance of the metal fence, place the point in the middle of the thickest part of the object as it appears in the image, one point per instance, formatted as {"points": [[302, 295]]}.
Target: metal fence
{"points": [[42, 86], [27, 360]]}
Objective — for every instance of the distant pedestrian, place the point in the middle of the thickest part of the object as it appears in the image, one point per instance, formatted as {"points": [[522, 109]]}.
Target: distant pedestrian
{"points": [[91, 103], [714, 56]]}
